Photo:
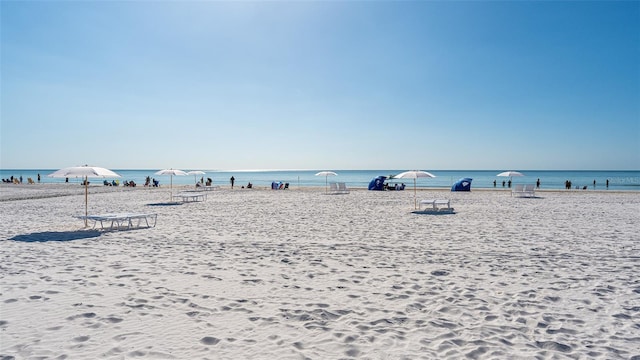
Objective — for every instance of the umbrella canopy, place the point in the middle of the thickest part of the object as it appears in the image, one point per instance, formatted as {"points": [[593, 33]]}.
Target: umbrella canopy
{"points": [[510, 173], [326, 174], [414, 174], [84, 172], [172, 173], [195, 173]]}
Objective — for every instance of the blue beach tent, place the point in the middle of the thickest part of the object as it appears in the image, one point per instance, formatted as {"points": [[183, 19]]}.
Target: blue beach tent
{"points": [[463, 184], [377, 183]]}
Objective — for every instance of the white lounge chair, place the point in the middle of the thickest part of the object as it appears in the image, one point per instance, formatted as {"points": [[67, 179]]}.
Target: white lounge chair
{"points": [[333, 188], [524, 191], [518, 190], [191, 196], [529, 191], [122, 221], [342, 188], [435, 206]]}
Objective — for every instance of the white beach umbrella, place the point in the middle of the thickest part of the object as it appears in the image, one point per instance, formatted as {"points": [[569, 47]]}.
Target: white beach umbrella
{"points": [[414, 174], [510, 174], [326, 174], [84, 172], [171, 173], [195, 173]]}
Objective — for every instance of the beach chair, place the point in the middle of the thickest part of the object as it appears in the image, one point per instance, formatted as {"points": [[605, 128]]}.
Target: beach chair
{"points": [[529, 191], [435, 207], [518, 191], [342, 188], [122, 221], [191, 196], [333, 188]]}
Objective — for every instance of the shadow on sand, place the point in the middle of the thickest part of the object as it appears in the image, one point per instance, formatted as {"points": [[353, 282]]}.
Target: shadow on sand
{"points": [[57, 236], [165, 204], [431, 212]]}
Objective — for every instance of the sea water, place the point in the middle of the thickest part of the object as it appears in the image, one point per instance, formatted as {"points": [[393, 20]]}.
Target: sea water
{"points": [[549, 179]]}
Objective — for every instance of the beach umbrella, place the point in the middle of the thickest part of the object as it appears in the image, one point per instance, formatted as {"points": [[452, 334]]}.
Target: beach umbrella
{"points": [[84, 172], [414, 174], [510, 174], [171, 173], [195, 173], [326, 174]]}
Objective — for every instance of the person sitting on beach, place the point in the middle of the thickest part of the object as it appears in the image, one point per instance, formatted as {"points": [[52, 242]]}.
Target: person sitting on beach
{"points": [[156, 183], [147, 181], [209, 181], [249, 185]]}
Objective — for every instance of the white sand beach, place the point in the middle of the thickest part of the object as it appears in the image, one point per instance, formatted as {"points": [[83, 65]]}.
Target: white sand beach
{"points": [[296, 274]]}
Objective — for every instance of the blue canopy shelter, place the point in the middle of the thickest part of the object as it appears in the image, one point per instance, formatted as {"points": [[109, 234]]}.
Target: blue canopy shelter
{"points": [[377, 183], [463, 184]]}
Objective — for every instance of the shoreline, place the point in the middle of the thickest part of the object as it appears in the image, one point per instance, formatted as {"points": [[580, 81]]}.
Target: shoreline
{"points": [[9, 192]]}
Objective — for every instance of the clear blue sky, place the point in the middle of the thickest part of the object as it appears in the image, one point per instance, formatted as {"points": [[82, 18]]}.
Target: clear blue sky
{"points": [[321, 85]]}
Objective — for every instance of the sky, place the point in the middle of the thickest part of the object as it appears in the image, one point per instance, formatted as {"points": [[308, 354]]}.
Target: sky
{"points": [[217, 85]]}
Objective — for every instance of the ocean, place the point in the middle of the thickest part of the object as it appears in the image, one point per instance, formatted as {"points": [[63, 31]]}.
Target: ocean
{"points": [[549, 179]]}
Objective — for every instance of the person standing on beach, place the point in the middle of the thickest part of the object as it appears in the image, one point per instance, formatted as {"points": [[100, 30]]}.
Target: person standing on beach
{"points": [[594, 184], [232, 180], [607, 183], [494, 183], [38, 178], [538, 183]]}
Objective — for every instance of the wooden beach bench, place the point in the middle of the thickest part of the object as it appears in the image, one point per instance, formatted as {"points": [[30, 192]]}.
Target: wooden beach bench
{"points": [[122, 221]]}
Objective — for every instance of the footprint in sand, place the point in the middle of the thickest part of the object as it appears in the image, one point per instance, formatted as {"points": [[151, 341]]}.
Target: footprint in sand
{"points": [[85, 315], [209, 340], [81, 338], [112, 319]]}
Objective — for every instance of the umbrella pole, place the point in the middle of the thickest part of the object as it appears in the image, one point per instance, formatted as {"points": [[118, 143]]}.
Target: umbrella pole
{"points": [[171, 189], [326, 184], [86, 196], [415, 201]]}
